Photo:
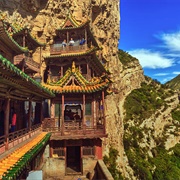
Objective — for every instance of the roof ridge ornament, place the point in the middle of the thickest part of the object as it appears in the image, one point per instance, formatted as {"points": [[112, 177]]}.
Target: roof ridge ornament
{"points": [[73, 67]]}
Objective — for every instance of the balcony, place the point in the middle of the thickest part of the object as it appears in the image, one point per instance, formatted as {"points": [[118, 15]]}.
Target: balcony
{"points": [[72, 129], [17, 137], [57, 49], [27, 63]]}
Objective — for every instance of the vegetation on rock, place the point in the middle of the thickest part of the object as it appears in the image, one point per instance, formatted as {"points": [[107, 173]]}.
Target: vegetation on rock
{"points": [[111, 163], [143, 102], [150, 163], [174, 83]]}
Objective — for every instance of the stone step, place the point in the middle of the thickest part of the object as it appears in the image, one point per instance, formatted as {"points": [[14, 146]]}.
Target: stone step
{"points": [[75, 178], [67, 178]]}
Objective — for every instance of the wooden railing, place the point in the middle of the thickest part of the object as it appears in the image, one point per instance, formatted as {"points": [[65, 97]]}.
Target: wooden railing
{"points": [[28, 60], [17, 137], [72, 128], [59, 49]]}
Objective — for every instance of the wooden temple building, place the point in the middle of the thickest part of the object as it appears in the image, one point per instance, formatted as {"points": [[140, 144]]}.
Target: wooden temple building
{"points": [[74, 84]]}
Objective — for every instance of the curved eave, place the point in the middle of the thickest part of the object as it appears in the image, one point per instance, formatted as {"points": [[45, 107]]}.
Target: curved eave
{"points": [[20, 78], [78, 89], [97, 63], [73, 28], [93, 49], [68, 75], [30, 38], [9, 41]]}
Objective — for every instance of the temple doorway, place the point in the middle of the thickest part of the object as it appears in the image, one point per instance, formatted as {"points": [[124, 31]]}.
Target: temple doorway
{"points": [[73, 160]]}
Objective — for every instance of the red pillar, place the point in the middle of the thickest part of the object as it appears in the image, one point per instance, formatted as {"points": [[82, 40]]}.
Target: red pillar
{"points": [[98, 149]]}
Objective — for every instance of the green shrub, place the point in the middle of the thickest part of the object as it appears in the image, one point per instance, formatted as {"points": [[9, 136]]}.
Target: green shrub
{"points": [[111, 163]]}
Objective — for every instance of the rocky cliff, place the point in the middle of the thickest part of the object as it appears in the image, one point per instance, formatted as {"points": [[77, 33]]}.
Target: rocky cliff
{"points": [[44, 16]]}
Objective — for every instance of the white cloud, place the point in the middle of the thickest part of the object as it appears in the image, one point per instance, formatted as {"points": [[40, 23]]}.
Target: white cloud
{"points": [[176, 72], [166, 79], [153, 60], [171, 41], [161, 74]]}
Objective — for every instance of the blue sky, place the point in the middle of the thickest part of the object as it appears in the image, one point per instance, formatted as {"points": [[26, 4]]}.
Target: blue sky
{"points": [[150, 31]]}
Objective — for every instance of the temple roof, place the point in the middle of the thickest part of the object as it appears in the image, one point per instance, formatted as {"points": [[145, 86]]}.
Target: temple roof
{"points": [[74, 82], [28, 37], [7, 39], [20, 85], [71, 23]]}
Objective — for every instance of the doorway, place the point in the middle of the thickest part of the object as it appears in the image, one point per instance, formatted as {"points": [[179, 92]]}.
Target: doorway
{"points": [[73, 160]]}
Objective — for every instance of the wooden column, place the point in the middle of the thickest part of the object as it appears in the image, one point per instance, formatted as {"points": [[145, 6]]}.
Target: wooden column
{"points": [[67, 37], [85, 36], [103, 103], [52, 109], [62, 113], [61, 71], [88, 74], [84, 103], [6, 122]]}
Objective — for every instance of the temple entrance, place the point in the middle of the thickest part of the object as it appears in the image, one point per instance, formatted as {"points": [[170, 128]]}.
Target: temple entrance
{"points": [[73, 160]]}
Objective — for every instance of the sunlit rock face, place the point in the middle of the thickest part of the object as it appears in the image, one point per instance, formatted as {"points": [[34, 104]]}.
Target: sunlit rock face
{"points": [[44, 16]]}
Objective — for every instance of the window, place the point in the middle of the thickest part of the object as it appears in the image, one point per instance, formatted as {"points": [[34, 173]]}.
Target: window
{"points": [[88, 109]]}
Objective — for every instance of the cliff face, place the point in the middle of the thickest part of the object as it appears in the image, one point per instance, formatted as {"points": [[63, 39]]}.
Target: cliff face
{"points": [[44, 16]]}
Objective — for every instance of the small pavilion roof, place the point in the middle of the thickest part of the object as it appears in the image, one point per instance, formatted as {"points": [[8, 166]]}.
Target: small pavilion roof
{"points": [[74, 82], [7, 39], [18, 85], [29, 38], [71, 23]]}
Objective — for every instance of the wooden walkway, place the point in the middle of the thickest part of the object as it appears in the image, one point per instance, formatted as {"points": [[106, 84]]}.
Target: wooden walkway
{"points": [[12, 165]]}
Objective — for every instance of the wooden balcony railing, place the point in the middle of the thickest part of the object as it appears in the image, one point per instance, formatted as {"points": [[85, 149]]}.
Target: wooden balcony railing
{"points": [[17, 137], [59, 49], [72, 128], [28, 61]]}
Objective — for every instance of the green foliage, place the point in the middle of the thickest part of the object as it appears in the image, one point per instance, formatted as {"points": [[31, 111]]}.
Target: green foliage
{"points": [[176, 114], [125, 58], [167, 164], [141, 166], [174, 83], [142, 103], [111, 163]]}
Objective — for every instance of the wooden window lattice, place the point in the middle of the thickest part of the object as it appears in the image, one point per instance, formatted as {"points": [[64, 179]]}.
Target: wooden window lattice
{"points": [[88, 151]]}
